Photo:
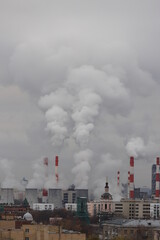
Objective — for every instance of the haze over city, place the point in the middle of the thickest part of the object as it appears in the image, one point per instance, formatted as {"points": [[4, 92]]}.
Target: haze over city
{"points": [[81, 80]]}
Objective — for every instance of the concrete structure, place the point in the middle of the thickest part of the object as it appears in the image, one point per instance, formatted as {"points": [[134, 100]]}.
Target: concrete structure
{"points": [[130, 229], [31, 196], [43, 206], [55, 197], [6, 195]]}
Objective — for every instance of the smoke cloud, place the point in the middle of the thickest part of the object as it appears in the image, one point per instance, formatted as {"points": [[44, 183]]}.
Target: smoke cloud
{"points": [[76, 77], [82, 169], [9, 180]]}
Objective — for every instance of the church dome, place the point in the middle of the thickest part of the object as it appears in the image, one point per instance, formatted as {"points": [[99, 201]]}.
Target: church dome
{"points": [[28, 217]]}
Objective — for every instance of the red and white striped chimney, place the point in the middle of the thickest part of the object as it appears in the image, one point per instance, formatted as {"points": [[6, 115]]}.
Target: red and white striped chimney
{"points": [[45, 162], [128, 182], [56, 168], [118, 178], [157, 178], [131, 193], [44, 190]]}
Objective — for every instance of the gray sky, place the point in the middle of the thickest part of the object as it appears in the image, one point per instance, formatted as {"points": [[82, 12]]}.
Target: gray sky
{"points": [[80, 79]]}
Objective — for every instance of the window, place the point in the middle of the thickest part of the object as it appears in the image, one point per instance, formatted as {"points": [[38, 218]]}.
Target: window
{"points": [[65, 198], [105, 206], [26, 238], [26, 230]]}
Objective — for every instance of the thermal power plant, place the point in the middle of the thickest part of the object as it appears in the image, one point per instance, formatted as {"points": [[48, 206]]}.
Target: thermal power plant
{"points": [[31, 196], [7, 195], [55, 197], [56, 168], [131, 191], [118, 178], [157, 178]]}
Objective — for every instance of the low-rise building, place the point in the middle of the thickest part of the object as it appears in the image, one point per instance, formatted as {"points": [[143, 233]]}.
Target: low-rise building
{"points": [[37, 232], [43, 206], [130, 229]]}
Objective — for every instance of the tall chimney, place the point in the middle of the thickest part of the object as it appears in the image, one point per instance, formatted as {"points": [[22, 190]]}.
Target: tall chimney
{"points": [[128, 182], [44, 190], [106, 186], [45, 162], [56, 169], [131, 193], [157, 178], [118, 178]]}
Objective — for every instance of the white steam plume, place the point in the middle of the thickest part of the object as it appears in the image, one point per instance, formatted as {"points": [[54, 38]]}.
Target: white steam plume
{"points": [[107, 167], [82, 168], [136, 147], [9, 180], [56, 116], [84, 112], [39, 177]]}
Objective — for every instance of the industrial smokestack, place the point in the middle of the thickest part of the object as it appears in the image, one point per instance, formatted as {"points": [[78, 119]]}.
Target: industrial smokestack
{"points": [[56, 169], [106, 186], [131, 193], [157, 178], [45, 162], [44, 195], [45, 191], [118, 178], [128, 182]]}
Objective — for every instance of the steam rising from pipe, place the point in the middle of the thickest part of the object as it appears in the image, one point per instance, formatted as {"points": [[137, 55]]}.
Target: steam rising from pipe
{"points": [[82, 167]]}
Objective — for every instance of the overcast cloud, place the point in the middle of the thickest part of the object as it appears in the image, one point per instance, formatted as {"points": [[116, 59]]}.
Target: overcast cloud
{"points": [[80, 79]]}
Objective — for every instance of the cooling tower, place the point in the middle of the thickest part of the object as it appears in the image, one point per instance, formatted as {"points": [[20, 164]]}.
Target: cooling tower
{"points": [[7, 196], [55, 197]]}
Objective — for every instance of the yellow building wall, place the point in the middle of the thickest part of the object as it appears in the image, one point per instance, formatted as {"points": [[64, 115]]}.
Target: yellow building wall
{"points": [[36, 232], [7, 224]]}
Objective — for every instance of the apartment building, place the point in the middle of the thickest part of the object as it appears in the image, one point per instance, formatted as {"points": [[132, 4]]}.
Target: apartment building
{"points": [[36, 232]]}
